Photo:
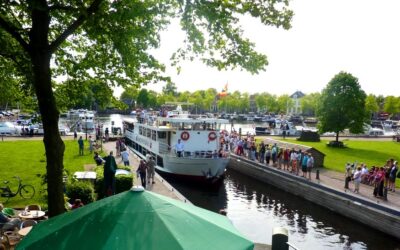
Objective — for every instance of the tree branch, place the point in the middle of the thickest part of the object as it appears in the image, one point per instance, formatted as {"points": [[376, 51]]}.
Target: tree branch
{"points": [[62, 7], [75, 25], [12, 30]]}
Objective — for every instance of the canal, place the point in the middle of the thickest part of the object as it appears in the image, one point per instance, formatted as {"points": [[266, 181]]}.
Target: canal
{"points": [[255, 208]]}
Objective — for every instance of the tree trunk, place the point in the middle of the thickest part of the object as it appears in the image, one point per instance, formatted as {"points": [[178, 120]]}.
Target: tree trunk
{"points": [[40, 55], [337, 136]]}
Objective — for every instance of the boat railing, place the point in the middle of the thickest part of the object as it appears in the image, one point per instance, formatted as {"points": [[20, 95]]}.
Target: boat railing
{"points": [[170, 151]]}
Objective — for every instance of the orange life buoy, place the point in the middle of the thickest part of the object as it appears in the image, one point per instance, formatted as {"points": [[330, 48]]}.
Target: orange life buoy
{"points": [[185, 136], [212, 136]]}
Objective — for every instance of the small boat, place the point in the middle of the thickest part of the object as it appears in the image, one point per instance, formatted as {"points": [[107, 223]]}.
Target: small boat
{"points": [[263, 130], [202, 160]]}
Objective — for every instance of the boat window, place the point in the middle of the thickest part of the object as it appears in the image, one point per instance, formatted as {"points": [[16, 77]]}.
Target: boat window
{"points": [[148, 133], [153, 135], [162, 135], [186, 126], [140, 130], [129, 126]]}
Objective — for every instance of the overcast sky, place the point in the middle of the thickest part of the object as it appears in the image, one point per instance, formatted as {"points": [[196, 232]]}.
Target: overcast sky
{"points": [[327, 36]]}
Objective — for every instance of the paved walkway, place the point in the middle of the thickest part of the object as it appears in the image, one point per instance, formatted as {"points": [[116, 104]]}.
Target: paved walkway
{"points": [[335, 180], [161, 186]]}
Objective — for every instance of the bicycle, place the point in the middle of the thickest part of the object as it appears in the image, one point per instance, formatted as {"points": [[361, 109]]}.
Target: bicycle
{"points": [[26, 191]]}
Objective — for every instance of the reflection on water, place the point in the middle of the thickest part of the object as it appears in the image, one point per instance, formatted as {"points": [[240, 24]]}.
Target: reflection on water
{"points": [[256, 208]]}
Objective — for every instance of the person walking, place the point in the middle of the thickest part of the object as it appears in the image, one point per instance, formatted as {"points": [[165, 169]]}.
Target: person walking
{"points": [[348, 174], [81, 145], [142, 169], [106, 134], [91, 144], [125, 157], [150, 169], [118, 147], [310, 165], [357, 180], [110, 166], [262, 152]]}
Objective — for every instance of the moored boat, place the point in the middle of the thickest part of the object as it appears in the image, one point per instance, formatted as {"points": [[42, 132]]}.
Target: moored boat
{"points": [[202, 159]]}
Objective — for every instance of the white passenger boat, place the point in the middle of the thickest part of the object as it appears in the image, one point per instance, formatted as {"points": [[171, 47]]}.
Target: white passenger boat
{"points": [[157, 135]]}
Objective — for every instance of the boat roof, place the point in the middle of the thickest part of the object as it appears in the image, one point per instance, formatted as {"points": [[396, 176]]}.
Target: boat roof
{"points": [[193, 120]]}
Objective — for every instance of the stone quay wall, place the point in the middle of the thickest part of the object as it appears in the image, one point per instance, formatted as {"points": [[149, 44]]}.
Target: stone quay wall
{"points": [[374, 215]]}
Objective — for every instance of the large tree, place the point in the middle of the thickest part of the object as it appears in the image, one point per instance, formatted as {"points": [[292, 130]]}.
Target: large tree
{"points": [[110, 41], [342, 105]]}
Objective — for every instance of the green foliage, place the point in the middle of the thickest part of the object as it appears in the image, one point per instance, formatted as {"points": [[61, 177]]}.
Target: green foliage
{"points": [[309, 103], [342, 105], [371, 104], [392, 105], [91, 94], [170, 89], [80, 190], [122, 183], [283, 103]]}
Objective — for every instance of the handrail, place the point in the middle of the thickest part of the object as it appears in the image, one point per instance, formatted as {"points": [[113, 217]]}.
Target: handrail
{"points": [[167, 150], [291, 245]]}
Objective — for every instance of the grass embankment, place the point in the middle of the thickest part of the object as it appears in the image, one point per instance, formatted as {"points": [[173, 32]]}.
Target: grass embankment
{"points": [[27, 160], [372, 153]]}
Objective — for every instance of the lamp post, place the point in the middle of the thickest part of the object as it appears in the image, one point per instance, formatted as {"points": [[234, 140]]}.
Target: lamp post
{"points": [[86, 126]]}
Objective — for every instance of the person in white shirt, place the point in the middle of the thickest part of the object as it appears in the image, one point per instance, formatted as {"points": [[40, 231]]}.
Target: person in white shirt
{"points": [[357, 180], [125, 157], [179, 148]]}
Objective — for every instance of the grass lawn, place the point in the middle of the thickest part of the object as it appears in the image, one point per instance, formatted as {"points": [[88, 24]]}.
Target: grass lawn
{"points": [[27, 160], [372, 153]]}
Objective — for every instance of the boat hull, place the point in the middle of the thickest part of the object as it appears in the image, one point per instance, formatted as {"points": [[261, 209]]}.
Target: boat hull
{"points": [[201, 168]]}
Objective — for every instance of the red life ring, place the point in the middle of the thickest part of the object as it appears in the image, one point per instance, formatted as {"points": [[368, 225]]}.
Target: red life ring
{"points": [[212, 136], [185, 136]]}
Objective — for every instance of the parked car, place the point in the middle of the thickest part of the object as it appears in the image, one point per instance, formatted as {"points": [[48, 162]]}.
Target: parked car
{"points": [[7, 128]]}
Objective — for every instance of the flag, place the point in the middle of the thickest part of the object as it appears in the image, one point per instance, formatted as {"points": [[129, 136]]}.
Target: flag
{"points": [[224, 91]]}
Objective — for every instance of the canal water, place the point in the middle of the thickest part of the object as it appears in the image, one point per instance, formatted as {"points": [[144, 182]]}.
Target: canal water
{"points": [[255, 208]]}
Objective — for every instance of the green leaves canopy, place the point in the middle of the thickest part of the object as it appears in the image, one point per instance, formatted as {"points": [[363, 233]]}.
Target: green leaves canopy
{"points": [[109, 41], [342, 105]]}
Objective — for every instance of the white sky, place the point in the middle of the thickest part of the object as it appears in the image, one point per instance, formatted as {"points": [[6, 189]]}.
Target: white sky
{"points": [[327, 36]]}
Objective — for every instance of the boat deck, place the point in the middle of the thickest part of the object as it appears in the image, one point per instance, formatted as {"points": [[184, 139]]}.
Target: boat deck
{"points": [[161, 186]]}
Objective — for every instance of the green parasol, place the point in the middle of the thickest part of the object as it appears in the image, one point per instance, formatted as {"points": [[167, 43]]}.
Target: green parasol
{"points": [[136, 220]]}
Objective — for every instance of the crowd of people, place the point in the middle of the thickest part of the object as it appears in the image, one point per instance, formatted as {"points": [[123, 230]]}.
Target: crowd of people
{"points": [[382, 178], [288, 159]]}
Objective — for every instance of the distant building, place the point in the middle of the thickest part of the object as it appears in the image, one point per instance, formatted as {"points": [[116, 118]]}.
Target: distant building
{"points": [[296, 108]]}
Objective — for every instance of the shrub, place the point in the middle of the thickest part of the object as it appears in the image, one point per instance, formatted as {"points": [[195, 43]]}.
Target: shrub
{"points": [[336, 144], [309, 136], [122, 183], [80, 190]]}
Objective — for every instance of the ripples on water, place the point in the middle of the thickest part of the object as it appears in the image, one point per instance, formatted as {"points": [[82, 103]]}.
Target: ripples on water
{"points": [[256, 208]]}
